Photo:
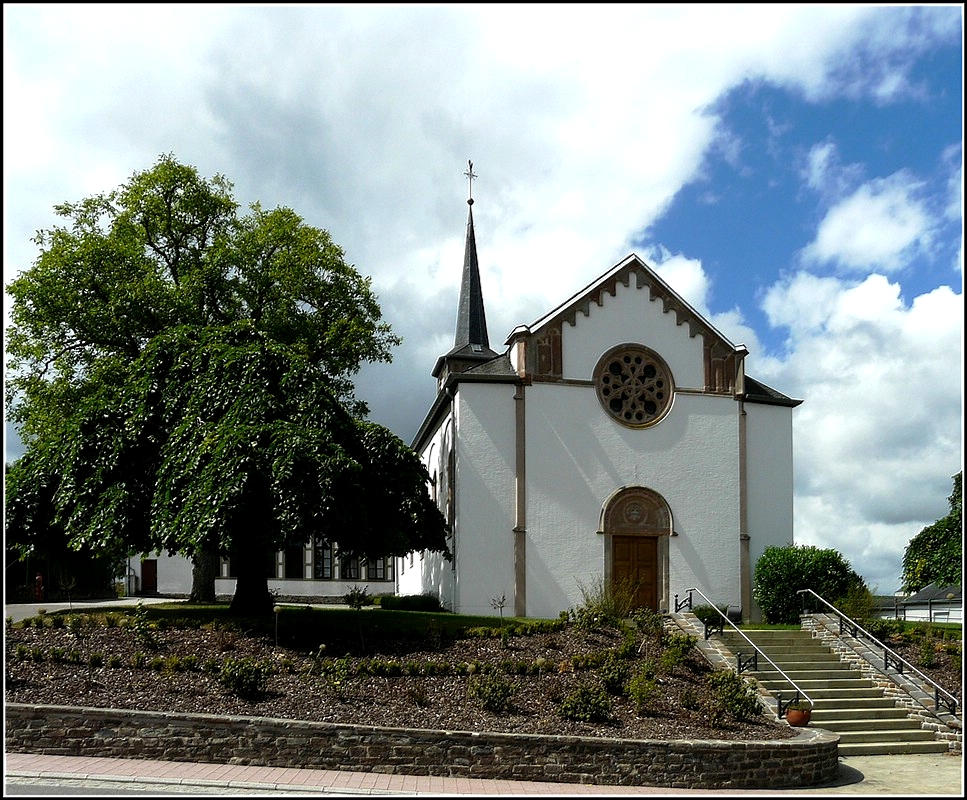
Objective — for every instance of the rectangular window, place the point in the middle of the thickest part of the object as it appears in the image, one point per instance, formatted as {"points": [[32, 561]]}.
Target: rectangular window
{"points": [[349, 568], [322, 562], [379, 569]]}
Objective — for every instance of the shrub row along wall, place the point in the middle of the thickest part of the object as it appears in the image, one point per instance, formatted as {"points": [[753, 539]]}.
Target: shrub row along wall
{"points": [[809, 759]]}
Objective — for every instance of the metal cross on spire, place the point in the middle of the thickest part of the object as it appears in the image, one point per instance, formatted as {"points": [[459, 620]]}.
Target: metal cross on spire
{"points": [[470, 176]]}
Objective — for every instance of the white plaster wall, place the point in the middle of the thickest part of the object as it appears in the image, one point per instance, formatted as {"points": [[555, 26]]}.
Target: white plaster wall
{"points": [[174, 579], [431, 573], [769, 476], [484, 518], [577, 457], [631, 318], [174, 575]]}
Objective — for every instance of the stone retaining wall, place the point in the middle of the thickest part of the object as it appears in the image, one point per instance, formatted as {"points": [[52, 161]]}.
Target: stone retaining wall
{"points": [[809, 759]]}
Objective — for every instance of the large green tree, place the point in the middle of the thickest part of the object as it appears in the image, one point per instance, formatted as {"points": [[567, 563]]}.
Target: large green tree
{"points": [[936, 554], [182, 380], [781, 572]]}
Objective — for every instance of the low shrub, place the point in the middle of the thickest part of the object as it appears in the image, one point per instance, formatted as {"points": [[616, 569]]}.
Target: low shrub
{"points": [[494, 691], [358, 597], [245, 677], [412, 602], [614, 672], [642, 690], [587, 704], [737, 696]]}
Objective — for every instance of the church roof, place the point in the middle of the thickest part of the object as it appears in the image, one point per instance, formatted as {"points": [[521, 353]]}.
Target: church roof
{"points": [[758, 392], [644, 278]]}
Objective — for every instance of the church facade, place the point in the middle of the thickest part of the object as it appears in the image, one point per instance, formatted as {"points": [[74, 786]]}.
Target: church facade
{"points": [[617, 439]]}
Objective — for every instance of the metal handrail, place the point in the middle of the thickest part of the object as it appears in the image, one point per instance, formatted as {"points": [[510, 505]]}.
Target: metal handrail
{"points": [[890, 658], [753, 660]]}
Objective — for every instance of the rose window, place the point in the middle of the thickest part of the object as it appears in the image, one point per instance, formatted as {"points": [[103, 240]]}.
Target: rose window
{"points": [[634, 385]]}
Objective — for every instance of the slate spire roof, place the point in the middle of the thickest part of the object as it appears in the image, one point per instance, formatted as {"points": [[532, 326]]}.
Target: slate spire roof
{"points": [[471, 345], [471, 318]]}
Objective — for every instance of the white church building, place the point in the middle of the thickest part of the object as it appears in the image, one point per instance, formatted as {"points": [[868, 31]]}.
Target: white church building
{"points": [[616, 438]]}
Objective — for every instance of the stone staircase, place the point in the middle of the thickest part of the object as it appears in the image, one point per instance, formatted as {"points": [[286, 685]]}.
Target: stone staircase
{"points": [[844, 700]]}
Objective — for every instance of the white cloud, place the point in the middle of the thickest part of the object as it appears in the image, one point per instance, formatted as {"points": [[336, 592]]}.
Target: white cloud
{"points": [[879, 433], [882, 225]]}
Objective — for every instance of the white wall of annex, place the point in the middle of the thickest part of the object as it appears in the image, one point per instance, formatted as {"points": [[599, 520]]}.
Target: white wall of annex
{"points": [[577, 457], [174, 575], [769, 477], [486, 496], [431, 573], [631, 318]]}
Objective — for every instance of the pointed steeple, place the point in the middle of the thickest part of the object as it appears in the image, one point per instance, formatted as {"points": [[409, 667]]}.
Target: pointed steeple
{"points": [[471, 318], [471, 345]]}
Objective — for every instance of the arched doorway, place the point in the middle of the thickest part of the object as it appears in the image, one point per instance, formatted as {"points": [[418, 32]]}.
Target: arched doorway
{"points": [[636, 523]]}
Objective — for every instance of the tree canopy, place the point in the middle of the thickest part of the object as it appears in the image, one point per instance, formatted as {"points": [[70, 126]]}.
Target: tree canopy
{"points": [[781, 572], [182, 380], [936, 554]]}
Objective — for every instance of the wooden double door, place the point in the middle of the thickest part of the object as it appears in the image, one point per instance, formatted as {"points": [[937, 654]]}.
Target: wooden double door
{"points": [[634, 559]]}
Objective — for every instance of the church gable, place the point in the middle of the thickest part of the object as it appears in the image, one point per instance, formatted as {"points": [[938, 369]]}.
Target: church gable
{"points": [[551, 349]]}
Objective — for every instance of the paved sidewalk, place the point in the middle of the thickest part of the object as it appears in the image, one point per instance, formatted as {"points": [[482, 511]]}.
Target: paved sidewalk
{"points": [[903, 776]]}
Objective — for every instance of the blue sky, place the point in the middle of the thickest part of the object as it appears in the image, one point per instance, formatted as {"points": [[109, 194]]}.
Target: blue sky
{"points": [[794, 172]]}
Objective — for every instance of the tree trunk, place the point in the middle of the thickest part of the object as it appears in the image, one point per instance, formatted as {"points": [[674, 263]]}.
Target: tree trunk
{"points": [[204, 570], [252, 596]]}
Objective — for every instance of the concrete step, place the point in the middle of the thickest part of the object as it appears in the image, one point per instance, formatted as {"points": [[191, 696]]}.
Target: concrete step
{"points": [[852, 724], [919, 735], [799, 673], [790, 655], [818, 695], [835, 715], [845, 682], [891, 748], [855, 704], [845, 701]]}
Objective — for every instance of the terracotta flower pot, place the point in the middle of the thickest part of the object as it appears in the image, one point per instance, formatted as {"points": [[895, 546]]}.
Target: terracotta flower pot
{"points": [[798, 717]]}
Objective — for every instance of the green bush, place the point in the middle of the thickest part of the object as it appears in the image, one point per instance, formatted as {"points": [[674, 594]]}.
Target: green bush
{"points": [[649, 623], [587, 704], [245, 677], [494, 691], [412, 602], [677, 648], [357, 598], [614, 672], [735, 695], [781, 571], [709, 615], [928, 655], [144, 631], [642, 690]]}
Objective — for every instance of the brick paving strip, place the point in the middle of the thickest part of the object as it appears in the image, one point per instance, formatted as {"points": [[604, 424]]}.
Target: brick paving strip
{"points": [[287, 779]]}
